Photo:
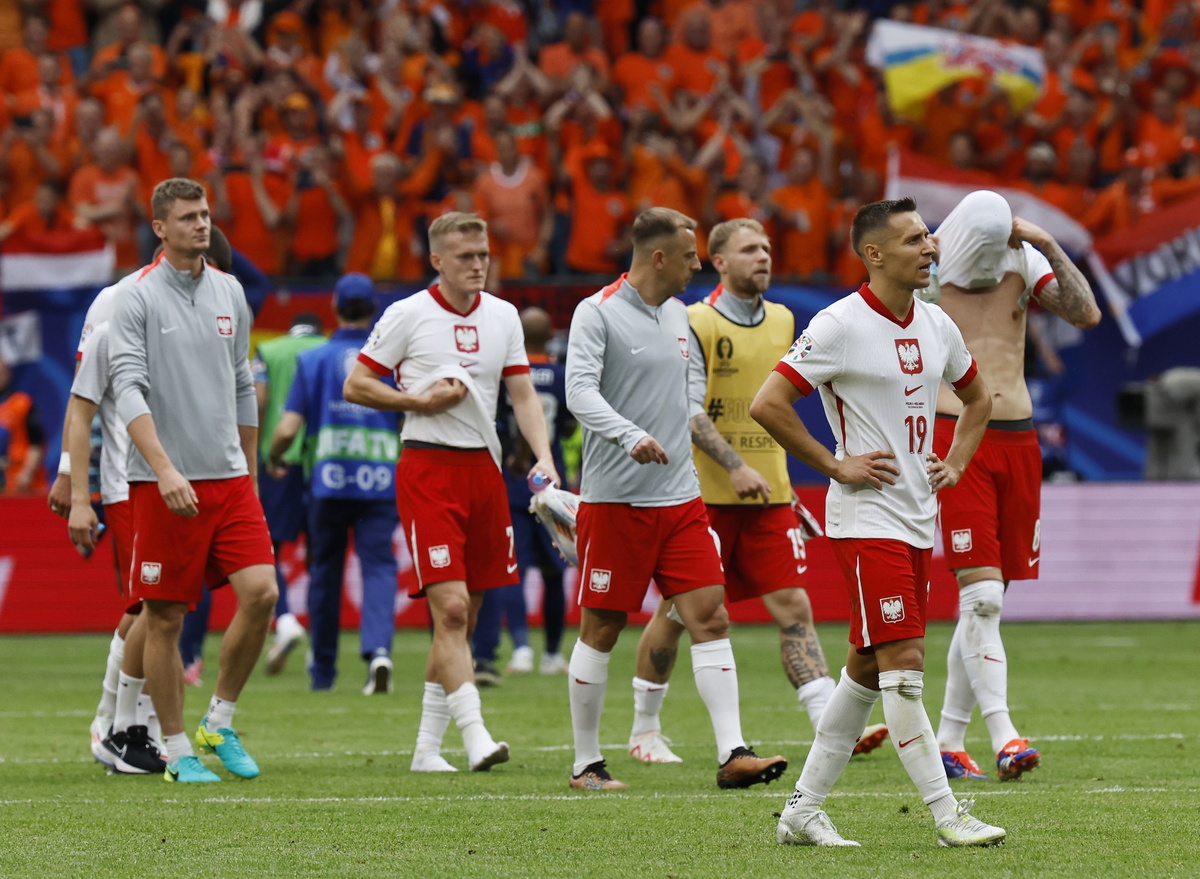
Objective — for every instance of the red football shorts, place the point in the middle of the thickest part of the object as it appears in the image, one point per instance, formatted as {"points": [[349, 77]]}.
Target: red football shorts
{"points": [[761, 549], [993, 516], [118, 522], [454, 509], [888, 585], [621, 547], [174, 556]]}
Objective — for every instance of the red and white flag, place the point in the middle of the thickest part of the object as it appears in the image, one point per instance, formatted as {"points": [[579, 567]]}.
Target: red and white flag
{"points": [[61, 259]]}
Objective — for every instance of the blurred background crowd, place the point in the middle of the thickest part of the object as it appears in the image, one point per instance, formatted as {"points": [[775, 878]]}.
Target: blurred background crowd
{"points": [[329, 132]]}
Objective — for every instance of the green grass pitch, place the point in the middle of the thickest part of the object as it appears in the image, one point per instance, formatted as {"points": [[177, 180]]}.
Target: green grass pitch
{"points": [[1114, 707]]}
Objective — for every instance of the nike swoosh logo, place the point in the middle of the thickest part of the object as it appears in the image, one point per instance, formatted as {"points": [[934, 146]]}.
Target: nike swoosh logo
{"points": [[909, 393], [165, 330], [910, 741], [1034, 561], [638, 350], [992, 658], [512, 568]]}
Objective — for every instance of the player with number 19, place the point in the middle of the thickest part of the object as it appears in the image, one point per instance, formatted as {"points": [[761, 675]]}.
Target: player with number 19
{"points": [[878, 356]]}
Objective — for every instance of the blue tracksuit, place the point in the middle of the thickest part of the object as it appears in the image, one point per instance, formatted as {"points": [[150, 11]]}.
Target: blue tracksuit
{"points": [[350, 454]]}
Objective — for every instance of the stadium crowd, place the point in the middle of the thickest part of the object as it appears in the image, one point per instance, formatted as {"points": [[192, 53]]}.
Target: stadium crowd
{"points": [[330, 133]]}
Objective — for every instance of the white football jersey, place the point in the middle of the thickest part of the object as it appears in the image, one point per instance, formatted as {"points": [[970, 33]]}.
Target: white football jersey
{"points": [[92, 383], [879, 378], [421, 335], [101, 310]]}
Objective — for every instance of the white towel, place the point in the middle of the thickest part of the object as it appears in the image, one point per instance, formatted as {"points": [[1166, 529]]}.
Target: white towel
{"points": [[472, 410]]}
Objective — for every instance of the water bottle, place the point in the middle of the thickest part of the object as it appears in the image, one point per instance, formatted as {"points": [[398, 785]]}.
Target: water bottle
{"points": [[538, 481]]}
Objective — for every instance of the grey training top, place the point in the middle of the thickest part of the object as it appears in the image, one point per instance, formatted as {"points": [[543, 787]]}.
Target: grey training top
{"points": [[180, 350], [627, 368]]}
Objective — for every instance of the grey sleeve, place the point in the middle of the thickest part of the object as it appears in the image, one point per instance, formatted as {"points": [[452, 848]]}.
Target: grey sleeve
{"points": [[585, 366], [697, 377], [127, 353], [247, 401]]}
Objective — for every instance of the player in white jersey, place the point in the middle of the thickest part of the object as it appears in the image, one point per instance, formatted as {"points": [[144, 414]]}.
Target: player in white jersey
{"points": [[449, 347], [992, 265], [878, 356]]}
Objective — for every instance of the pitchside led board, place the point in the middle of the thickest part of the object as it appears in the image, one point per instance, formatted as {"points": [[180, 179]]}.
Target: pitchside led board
{"points": [[1107, 550]]}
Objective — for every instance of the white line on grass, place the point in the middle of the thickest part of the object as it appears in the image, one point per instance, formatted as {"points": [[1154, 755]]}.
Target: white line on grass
{"points": [[579, 797]]}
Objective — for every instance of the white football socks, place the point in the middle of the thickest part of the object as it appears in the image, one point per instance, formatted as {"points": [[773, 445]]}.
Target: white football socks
{"points": [[587, 676], [129, 690], [912, 734], [814, 696], [467, 711], [717, 682], [647, 703], [178, 745], [107, 708], [959, 700], [838, 729], [983, 656], [148, 717], [435, 718], [220, 714]]}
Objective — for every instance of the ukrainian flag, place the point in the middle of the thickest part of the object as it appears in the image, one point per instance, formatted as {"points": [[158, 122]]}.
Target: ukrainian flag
{"points": [[920, 61]]}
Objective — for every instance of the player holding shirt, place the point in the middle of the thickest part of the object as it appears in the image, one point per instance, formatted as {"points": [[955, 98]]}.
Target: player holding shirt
{"points": [[449, 347], [191, 479], [627, 367], [878, 356], [991, 265]]}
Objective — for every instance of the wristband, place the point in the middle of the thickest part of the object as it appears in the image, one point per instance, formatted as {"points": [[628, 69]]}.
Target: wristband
{"points": [[64, 464]]}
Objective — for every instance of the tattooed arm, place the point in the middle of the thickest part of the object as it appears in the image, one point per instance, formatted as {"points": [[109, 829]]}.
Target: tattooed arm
{"points": [[746, 481], [1069, 295]]}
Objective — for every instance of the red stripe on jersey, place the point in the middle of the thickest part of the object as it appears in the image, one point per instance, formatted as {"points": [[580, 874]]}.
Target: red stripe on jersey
{"points": [[967, 378], [795, 378], [147, 269], [435, 291], [841, 413], [515, 369], [372, 365], [872, 300], [711, 298], [1042, 282], [613, 287]]}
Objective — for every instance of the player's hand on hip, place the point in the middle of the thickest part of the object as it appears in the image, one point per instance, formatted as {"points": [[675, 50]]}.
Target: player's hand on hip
{"points": [[648, 451], [444, 394], [178, 494], [941, 474], [874, 468], [81, 525], [748, 482], [59, 498]]}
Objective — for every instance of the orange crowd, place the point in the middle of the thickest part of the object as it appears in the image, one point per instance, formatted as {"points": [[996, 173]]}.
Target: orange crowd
{"points": [[329, 133]]}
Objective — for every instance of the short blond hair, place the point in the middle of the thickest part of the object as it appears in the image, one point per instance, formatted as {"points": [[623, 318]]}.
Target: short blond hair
{"points": [[722, 232], [172, 190], [452, 222]]}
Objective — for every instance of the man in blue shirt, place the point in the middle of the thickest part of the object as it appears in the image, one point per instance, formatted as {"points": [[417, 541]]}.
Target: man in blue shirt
{"points": [[350, 454]]}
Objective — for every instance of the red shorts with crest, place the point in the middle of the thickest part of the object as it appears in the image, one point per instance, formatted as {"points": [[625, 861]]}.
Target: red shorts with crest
{"points": [[993, 516], [174, 556], [887, 582], [454, 509], [622, 547]]}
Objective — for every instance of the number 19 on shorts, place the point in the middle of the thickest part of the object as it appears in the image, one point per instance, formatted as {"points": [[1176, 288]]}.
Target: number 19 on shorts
{"points": [[918, 429]]}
